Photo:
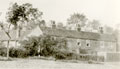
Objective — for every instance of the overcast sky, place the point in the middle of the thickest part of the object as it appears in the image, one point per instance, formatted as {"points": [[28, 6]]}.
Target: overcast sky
{"points": [[106, 11]]}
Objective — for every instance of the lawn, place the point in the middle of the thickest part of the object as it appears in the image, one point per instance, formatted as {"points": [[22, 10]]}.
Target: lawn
{"points": [[51, 64]]}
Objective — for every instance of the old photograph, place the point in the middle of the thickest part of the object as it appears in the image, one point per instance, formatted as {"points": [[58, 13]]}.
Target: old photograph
{"points": [[59, 34]]}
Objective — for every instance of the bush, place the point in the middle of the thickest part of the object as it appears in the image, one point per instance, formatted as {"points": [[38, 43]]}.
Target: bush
{"points": [[60, 55], [48, 45], [31, 45], [3, 51], [64, 54], [17, 53]]}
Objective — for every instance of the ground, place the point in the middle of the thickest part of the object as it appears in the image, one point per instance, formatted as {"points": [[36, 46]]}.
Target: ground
{"points": [[51, 64]]}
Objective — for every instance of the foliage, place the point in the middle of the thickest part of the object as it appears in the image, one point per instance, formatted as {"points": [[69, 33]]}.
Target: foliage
{"points": [[31, 45], [108, 29], [48, 46], [17, 53], [14, 52], [94, 24], [3, 51], [19, 14], [77, 18]]}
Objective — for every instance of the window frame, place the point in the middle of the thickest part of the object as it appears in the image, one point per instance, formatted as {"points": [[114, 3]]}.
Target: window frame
{"points": [[79, 42], [87, 42]]}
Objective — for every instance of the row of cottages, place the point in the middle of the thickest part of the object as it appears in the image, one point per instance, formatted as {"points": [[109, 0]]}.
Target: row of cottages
{"points": [[99, 44], [76, 40], [94, 43]]}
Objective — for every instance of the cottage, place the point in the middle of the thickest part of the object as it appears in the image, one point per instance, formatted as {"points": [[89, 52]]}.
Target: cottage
{"points": [[15, 37], [85, 40], [94, 43], [4, 38]]}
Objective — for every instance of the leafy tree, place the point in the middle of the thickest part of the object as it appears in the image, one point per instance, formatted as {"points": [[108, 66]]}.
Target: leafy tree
{"points": [[108, 29], [18, 15], [94, 24], [77, 18], [48, 45], [31, 45]]}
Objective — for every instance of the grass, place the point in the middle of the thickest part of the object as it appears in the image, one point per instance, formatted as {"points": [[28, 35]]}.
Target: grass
{"points": [[45, 64]]}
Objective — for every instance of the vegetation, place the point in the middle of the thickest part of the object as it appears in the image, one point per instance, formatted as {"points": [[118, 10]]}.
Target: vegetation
{"points": [[19, 14], [77, 18], [45, 46], [95, 24]]}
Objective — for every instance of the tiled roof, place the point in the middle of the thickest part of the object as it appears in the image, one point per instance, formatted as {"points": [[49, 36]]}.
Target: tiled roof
{"points": [[60, 33], [13, 35], [76, 34], [24, 34], [3, 35]]}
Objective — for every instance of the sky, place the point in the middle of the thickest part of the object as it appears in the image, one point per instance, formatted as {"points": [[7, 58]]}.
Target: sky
{"points": [[106, 11]]}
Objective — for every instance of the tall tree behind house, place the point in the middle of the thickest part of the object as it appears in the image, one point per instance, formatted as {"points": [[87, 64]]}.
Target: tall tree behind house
{"points": [[76, 19], [93, 25]]}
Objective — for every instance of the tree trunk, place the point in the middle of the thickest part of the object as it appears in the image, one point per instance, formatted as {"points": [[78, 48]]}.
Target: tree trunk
{"points": [[8, 49]]}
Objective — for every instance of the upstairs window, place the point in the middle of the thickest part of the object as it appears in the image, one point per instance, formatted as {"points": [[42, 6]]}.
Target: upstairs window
{"points": [[88, 43], [78, 42]]}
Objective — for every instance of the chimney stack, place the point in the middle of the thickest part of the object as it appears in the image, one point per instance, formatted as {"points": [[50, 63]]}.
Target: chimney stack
{"points": [[53, 24], [78, 27], [101, 30]]}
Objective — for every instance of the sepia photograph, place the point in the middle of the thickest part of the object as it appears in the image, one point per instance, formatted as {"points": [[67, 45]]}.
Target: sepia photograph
{"points": [[59, 34]]}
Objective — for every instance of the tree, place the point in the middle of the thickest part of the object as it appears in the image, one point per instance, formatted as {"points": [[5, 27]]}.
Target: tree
{"points": [[108, 29], [94, 24], [48, 45], [19, 15], [77, 18]]}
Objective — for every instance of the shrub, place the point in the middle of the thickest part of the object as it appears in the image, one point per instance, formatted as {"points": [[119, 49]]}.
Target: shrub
{"points": [[17, 53], [31, 45], [64, 54], [3, 51], [60, 55], [48, 45]]}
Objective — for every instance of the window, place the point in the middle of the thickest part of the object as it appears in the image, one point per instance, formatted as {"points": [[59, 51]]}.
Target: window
{"points": [[78, 42], [88, 43]]}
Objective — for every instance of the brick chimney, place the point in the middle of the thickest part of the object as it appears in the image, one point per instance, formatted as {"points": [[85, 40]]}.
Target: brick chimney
{"points": [[78, 28], [101, 30], [53, 25]]}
